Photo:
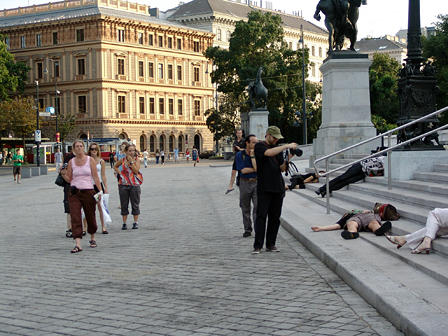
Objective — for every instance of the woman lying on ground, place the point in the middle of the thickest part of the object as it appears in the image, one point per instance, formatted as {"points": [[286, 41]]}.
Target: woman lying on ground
{"points": [[420, 240], [298, 181], [369, 167], [355, 221]]}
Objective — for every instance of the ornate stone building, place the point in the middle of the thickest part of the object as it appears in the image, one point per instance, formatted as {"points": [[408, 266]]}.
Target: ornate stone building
{"points": [[122, 72], [221, 16]]}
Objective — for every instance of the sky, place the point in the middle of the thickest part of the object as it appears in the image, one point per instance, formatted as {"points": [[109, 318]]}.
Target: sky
{"points": [[376, 19]]}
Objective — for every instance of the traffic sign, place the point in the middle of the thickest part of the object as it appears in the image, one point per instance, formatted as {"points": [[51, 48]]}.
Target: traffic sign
{"points": [[37, 135], [44, 114], [50, 110]]}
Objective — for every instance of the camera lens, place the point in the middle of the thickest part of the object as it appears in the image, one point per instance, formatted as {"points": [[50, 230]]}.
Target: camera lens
{"points": [[297, 152]]}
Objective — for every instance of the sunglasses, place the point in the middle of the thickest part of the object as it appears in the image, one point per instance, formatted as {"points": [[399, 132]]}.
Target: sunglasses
{"points": [[93, 148]]}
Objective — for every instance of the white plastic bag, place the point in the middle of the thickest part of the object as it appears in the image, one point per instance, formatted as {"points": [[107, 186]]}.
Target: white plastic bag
{"points": [[104, 206]]}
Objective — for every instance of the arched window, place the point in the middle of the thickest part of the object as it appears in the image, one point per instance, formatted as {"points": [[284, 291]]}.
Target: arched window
{"points": [[218, 35], [171, 144], [123, 136], [162, 142], [142, 143], [180, 143], [152, 143], [197, 142], [82, 136]]}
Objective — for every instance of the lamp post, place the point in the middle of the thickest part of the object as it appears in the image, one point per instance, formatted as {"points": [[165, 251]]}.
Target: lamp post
{"points": [[56, 92], [37, 132], [303, 89]]}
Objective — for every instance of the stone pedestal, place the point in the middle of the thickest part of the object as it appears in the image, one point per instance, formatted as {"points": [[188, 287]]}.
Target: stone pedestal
{"points": [[346, 116], [258, 122], [405, 163]]}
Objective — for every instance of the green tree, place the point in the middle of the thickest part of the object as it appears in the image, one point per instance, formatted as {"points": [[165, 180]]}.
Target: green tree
{"points": [[66, 124], [436, 48], [259, 42], [383, 77], [17, 116], [13, 76]]}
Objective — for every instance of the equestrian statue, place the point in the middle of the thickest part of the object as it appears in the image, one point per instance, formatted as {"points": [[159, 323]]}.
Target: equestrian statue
{"points": [[258, 94], [341, 17]]}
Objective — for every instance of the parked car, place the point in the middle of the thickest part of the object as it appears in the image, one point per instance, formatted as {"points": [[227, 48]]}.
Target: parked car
{"points": [[206, 154]]}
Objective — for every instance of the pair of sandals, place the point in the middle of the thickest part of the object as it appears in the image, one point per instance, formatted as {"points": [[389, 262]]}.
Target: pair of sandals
{"points": [[77, 249]]}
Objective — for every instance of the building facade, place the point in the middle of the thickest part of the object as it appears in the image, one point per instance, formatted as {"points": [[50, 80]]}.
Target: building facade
{"points": [[122, 72], [393, 46]]}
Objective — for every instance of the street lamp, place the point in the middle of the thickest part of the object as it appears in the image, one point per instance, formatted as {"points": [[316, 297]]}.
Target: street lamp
{"points": [[56, 93], [37, 137], [303, 88]]}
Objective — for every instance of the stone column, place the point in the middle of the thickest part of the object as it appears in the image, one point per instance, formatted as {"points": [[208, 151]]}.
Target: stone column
{"points": [[258, 122], [346, 116]]}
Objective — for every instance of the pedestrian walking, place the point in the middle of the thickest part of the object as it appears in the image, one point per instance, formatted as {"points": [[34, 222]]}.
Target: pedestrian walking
{"points": [[247, 166], [1, 158], [17, 160], [162, 156], [112, 159], [81, 171], [195, 155], [66, 191], [95, 152], [145, 158], [187, 154], [58, 159], [157, 156], [270, 188], [129, 185], [176, 155]]}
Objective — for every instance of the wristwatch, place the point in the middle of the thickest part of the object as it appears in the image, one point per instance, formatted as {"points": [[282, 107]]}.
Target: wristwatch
{"points": [[132, 162], [252, 157]]}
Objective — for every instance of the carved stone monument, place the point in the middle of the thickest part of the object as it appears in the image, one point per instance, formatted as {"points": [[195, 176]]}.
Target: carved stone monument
{"points": [[258, 115]]}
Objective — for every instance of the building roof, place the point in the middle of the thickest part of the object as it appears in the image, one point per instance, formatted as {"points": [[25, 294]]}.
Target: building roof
{"points": [[378, 45], [82, 12], [239, 11]]}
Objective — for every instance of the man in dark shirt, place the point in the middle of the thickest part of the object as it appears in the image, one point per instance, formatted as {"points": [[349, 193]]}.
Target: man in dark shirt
{"points": [[112, 159], [270, 188], [238, 145], [247, 166]]}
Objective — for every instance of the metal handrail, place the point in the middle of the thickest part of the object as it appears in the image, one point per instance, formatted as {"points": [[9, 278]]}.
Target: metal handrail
{"points": [[388, 149]]}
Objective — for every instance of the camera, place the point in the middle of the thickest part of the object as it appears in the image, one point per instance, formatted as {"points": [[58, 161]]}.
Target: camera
{"points": [[296, 152]]}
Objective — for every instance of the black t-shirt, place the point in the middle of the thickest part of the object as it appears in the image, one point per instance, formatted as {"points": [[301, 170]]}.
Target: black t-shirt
{"points": [[241, 144], [268, 170]]}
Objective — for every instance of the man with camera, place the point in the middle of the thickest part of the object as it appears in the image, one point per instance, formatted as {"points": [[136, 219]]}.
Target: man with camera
{"points": [[270, 188], [247, 166]]}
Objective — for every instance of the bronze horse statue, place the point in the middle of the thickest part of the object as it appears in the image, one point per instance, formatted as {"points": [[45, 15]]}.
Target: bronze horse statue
{"points": [[257, 91], [341, 17]]}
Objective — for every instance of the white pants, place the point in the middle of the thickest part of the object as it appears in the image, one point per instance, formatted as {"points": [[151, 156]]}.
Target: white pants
{"points": [[58, 166], [436, 226]]}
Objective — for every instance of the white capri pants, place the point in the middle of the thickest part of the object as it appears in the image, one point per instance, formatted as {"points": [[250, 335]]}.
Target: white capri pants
{"points": [[436, 226]]}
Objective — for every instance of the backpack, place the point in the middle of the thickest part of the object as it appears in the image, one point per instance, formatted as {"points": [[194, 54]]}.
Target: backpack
{"points": [[386, 211]]}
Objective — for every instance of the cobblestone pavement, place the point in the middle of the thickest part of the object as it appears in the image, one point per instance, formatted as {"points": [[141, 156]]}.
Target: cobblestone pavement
{"points": [[185, 271]]}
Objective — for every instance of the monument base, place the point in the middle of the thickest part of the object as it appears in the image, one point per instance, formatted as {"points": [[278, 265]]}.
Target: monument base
{"points": [[406, 163], [258, 122], [346, 117]]}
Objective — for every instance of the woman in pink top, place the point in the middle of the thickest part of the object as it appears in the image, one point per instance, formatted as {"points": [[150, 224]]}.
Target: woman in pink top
{"points": [[80, 172]]}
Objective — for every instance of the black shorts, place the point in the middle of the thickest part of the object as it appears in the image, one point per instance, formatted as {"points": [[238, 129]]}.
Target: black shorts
{"points": [[16, 170], [234, 165]]}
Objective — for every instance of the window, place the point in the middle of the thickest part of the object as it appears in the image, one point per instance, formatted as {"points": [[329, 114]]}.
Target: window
{"points": [[218, 35], [171, 106], [228, 35], [81, 66], [140, 38], [55, 37], [121, 104], [197, 107], [179, 72], [57, 105], [151, 106], [180, 143], [161, 106], [313, 52], [79, 35], [160, 41], [160, 70], [56, 69], [120, 69], [120, 35], [180, 107], [179, 44], [162, 142], [152, 140], [150, 39], [140, 68], [171, 143], [170, 71], [82, 104], [290, 45], [22, 42], [40, 70], [196, 74], [7, 42], [38, 40], [41, 104], [170, 42], [141, 103], [151, 69], [196, 46], [320, 51], [313, 71]]}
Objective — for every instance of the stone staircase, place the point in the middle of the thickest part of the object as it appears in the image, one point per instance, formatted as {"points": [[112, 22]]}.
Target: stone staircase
{"points": [[418, 305]]}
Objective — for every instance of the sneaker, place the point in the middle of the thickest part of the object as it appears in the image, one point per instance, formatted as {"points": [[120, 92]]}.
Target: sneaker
{"points": [[247, 234], [383, 228], [18, 182], [135, 226], [124, 227], [349, 235], [272, 249], [256, 251]]}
